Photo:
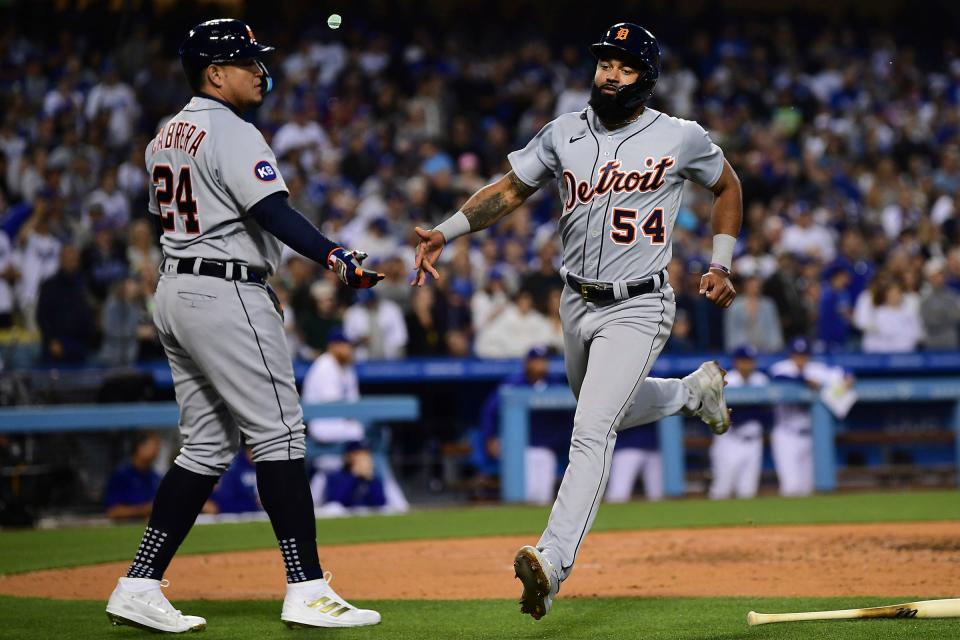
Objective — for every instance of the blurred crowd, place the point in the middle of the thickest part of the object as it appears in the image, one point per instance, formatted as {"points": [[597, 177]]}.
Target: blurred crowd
{"points": [[847, 145]]}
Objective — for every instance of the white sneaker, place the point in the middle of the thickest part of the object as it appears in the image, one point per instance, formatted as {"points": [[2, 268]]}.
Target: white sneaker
{"points": [[138, 602], [540, 581], [707, 383], [315, 604]]}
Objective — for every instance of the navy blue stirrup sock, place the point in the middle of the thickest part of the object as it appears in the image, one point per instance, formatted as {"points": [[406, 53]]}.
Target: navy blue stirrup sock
{"points": [[179, 500], [285, 495]]}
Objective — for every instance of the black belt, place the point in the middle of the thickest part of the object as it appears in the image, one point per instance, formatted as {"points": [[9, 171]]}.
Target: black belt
{"points": [[216, 269], [606, 292]]}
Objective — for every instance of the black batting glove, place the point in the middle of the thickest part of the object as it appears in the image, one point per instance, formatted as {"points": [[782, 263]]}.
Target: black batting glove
{"points": [[346, 264]]}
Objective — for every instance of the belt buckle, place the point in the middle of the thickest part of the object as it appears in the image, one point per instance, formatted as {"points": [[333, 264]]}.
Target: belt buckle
{"points": [[588, 290]]}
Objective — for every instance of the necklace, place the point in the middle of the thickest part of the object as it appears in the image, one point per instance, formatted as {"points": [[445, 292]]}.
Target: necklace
{"points": [[620, 125]]}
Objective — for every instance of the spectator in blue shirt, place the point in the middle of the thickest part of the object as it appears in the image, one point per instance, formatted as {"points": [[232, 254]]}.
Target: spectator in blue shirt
{"points": [[236, 491], [550, 431], [133, 485], [836, 309], [356, 485]]}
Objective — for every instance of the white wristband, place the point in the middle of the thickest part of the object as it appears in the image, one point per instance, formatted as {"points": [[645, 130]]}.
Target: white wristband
{"points": [[723, 245], [453, 227]]}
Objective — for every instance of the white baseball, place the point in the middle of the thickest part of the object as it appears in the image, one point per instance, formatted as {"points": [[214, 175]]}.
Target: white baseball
{"points": [[334, 21]]}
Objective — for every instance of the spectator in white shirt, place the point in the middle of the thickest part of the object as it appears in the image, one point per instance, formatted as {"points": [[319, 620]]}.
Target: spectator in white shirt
{"points": [[894, 326], [376, 327], [113, 201], [519, 328], [37, 257], [8, 275], [487, 303], [301, 131], [805, 237], [120, 104], [333, 378]]}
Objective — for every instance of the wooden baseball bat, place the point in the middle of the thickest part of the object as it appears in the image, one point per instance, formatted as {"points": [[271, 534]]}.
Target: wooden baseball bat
{"points": [[947, 608]]}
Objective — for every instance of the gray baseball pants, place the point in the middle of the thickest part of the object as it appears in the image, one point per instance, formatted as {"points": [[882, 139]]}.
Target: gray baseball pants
{"points": [[232, 373], [609, 351]]}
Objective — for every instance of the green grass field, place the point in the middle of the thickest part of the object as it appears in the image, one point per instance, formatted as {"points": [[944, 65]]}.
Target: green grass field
{"points": [[649, 618]]}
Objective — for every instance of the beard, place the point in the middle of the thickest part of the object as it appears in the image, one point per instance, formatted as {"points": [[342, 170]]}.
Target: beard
{"points": [[607, 107]]}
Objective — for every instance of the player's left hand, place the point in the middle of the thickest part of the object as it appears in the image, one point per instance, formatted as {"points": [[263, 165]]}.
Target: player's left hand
{"points": [[346, 264], [716, 286]]}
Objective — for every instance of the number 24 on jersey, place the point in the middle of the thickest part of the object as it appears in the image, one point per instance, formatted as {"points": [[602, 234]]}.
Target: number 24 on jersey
{"points": [[180, 190]]}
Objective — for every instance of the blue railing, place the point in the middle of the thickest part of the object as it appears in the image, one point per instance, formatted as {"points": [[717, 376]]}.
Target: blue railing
{"points": [[946, 363], [164, 415], [517, 402]]}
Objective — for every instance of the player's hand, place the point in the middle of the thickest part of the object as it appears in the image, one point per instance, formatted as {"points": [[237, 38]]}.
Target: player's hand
{"points": [[428, 250], [346, 264], [716, 286]]}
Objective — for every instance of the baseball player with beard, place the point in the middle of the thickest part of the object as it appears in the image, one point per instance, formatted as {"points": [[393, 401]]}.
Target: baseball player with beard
{"points": [[219, 198], [620, 168]]}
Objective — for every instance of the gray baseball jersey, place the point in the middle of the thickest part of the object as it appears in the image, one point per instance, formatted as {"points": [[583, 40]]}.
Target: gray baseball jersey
{"points": [[621, 189], [208, 167]]}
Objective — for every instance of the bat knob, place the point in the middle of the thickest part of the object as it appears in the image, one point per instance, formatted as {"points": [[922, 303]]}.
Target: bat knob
{"points": [[752, 618]]}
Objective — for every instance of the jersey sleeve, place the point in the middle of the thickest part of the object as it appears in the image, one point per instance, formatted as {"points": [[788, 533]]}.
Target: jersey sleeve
{"points": [[537, 163], [702, 160], [247, 167], [152, 205]]}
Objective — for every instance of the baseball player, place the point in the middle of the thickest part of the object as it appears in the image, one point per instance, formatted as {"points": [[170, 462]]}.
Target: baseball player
{"points": [[222, 206], [737, 457], [620, 168], [636, 454], [791, 439]]}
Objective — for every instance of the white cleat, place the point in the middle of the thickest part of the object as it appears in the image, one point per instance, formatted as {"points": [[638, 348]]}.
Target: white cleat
{"points": [[707, 383], [315, 604], [138, 602], [540, 582]]}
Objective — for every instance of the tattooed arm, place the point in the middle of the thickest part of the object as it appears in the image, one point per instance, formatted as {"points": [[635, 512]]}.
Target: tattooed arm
{"points": [[496, 200], [484, 208]]}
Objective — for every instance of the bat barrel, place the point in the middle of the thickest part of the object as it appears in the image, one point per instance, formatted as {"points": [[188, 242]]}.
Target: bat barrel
{"points": [[946, 608]]}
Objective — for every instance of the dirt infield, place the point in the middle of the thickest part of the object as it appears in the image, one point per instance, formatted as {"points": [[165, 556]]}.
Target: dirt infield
{"points": [[912, 559]]}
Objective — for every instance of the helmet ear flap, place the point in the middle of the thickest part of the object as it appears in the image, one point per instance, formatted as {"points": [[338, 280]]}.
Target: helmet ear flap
{"points": [[633, 95], [267, 78]]}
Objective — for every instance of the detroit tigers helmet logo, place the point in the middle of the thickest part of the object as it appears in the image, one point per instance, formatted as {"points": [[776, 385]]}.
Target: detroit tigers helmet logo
{"points": [[265, 171], [622, 33]]}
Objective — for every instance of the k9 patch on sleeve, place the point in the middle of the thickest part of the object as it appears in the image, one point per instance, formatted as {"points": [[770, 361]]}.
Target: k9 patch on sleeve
{"points": [[265, 171]]}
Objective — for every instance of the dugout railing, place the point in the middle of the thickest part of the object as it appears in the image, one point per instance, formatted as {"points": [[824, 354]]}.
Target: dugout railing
{"points": [[31, 421], [517, 402]]}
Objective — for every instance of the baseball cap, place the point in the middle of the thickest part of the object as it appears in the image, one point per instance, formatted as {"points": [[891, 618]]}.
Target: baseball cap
{"points": [[799, 345], [536, 352], [462, 287], [745, 352], [355, 445], [336, 335], [833, 269], [437, 163]]}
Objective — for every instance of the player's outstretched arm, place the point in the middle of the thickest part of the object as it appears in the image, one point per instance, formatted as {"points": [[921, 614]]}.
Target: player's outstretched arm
{"points": [[484, 208], [726, 219], [289, 226]]}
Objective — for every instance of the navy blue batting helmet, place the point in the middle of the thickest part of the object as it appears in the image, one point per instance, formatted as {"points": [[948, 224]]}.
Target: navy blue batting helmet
{"points": [[219, 42], [638, 47]]}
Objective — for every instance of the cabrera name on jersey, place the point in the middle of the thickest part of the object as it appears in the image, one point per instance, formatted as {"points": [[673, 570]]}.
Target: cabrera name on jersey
{"points": [[207, 167], [620, 189]]}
